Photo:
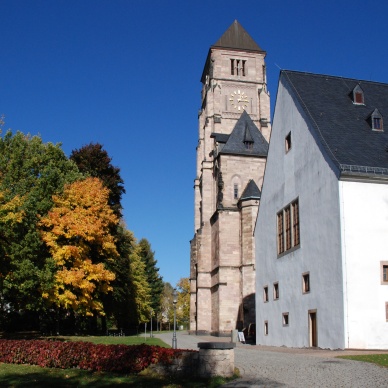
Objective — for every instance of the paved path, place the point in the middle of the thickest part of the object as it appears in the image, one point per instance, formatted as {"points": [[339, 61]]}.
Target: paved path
{"points": [[265, 366]]}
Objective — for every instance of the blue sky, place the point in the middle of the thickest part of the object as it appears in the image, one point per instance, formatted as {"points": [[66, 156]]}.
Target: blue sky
{"points": [[126, 74]]}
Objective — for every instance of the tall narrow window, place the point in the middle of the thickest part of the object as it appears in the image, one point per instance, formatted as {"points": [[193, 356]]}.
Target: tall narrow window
{"points": [[232, 66], [265, 294], [276, 291], [384, 272], [235, 191], [306, 283], [237, 67], [288, 142], [243, 68], [265, 327], [285, 319], [288, 234], [386, 311], [280, 233]]}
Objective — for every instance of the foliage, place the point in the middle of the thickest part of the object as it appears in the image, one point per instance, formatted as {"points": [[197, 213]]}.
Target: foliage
{"points": [[92, 159], [76, 232], [140, 287], [155, 281], [84, 355], [30, 173], [183, 304], [379, 359], [167, 310]]}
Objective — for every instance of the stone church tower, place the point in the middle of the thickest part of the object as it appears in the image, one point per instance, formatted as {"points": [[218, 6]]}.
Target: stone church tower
{"points": [[233, 137]]}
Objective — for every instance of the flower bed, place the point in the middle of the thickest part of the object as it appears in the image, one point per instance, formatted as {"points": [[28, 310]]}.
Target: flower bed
{"points": [[85, 355]]}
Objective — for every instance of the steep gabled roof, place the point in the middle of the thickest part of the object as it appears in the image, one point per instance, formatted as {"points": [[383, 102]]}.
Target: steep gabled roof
{"points": [[251, 191], [244, 131], [342, 127], [235, 37]]}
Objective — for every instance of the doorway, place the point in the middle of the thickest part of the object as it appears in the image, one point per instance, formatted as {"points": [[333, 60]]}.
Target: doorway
{"points": [[313, 329]]}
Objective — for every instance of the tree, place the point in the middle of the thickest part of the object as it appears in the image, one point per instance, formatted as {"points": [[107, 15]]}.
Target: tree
{"points": [[166, 305], [183, 304], [155, 281], [32, 171], [92, 159], [77, 233]]}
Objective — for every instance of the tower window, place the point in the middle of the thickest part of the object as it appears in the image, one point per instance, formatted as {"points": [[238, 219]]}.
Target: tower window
{"points": [[235, 191], [238, 67], [248, 145]]}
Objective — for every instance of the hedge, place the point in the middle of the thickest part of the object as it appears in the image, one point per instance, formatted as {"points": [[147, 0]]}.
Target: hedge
{"points": [[84, 355]]}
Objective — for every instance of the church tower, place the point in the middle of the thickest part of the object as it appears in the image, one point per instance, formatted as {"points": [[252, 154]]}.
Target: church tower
{"points": [[234, 130]]}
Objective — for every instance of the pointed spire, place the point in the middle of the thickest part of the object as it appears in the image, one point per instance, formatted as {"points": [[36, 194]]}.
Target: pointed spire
{"points": [[235, 37], [251, 191]]}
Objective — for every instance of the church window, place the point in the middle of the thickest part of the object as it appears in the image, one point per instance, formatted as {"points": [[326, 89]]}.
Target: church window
{"points": [[306, 283], [265, 294], [288, 142], [248, 145], [276, 291], [235, 191], [238, 67], [384, 272], [288, 235]]}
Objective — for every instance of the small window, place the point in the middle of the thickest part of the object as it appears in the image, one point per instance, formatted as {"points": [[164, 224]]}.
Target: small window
{"points": [[235, 191], [248, 145], [285, 319], [232, 66], [288, 142], [386, 311], [238, 67], [384, 272], [358, 95], [376, 121], [265, 294], [306, 283], [276, 291], [265, 327]]}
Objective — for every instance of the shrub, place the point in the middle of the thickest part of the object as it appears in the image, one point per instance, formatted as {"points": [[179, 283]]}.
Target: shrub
{"points": [[85, 355]]}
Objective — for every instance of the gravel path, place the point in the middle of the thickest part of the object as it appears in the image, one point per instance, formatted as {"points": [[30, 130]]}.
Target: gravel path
{"points": [[264, 366]]}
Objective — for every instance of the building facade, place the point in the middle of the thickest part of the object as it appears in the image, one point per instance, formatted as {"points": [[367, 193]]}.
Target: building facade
{"points": [[321, 233], [234, 129]]}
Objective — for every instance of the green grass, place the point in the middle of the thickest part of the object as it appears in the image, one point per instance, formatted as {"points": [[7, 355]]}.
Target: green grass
{"points": [[33, 376], [379, 359]]}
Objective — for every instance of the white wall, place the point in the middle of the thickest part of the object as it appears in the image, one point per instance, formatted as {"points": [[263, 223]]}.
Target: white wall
{"points": [[305, 174], [364, 223]]}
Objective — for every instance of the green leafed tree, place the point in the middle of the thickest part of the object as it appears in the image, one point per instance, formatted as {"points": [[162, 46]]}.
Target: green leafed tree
{"points": [[155, 281], [34, 171], [183, 303]]}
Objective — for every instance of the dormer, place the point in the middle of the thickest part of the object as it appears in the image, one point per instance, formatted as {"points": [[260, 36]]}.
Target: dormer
{"points": [[248, 140], [376, 121], [358, 95]]}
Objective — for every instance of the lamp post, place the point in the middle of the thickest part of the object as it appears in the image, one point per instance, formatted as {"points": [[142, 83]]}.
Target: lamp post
{"points": [[174, 296], [152, 311]]}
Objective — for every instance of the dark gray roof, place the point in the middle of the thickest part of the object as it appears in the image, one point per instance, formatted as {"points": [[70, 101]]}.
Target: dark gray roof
{"points": [[235, 37], [235, 144], [220, 137], [342, 127], [251, 191]]}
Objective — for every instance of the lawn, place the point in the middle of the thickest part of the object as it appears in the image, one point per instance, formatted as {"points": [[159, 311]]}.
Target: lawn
{"points": [[33, 376], [379, 359]]}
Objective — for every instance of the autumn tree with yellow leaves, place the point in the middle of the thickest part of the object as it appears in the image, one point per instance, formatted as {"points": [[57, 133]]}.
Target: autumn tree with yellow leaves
{"points": [[77, 233]]}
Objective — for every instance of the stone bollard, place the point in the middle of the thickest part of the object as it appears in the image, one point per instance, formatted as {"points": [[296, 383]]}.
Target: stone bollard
{"points": [[216, 359], [234, 336]]}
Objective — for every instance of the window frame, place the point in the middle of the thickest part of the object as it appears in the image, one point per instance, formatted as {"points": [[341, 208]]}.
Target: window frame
{"points": [[265, 327], [288, 228], [265, 294], [276, 293], [384, 268], [306, 283], [285, 319]]}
